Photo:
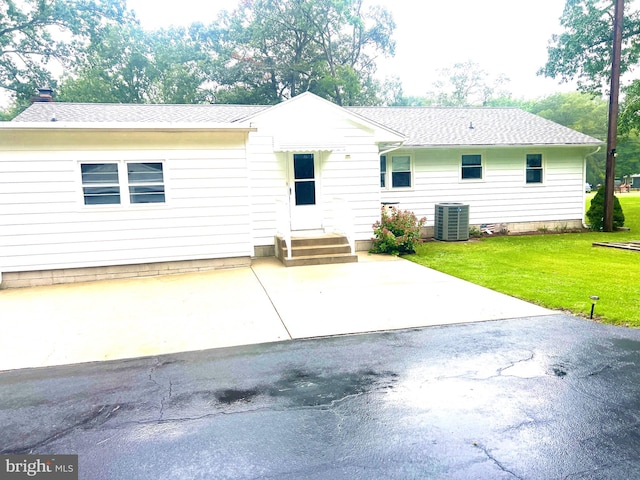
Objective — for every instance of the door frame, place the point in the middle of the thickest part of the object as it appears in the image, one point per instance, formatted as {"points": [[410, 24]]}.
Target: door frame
{"points": [[305, 217]]}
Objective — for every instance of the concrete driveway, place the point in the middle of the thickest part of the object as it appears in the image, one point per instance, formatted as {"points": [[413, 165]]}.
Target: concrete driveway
{"points": [[107, 320]]}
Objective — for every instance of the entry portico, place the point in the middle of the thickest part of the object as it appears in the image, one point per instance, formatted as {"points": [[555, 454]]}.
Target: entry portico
{"points": [[320, 164]]}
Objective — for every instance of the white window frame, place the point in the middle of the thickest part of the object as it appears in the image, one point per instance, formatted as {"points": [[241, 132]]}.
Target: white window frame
{"points": [[388, 174], [123, 184], [542, 168], [482, 167], [131, 184], [84, 185], [383, 174]]}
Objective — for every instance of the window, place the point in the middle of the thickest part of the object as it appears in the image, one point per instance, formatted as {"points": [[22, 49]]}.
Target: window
{"points": [[534, 168], [304, 178], [146, 183], [471, 167], [383, 171], [398, 168], [101, 183], [401, 171]]}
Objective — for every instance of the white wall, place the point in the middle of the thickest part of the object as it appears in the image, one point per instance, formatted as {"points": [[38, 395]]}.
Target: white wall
{"points": [[350, 171], [44, 223], [503, 195]]}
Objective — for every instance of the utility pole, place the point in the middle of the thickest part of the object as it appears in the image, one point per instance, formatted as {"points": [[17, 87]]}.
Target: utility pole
{"points": [[612, 135]]}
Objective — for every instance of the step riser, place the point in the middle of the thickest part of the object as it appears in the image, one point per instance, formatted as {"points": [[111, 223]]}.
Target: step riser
{"points": [[321, 250], [298, 262], [308, 242], [315, 251]]}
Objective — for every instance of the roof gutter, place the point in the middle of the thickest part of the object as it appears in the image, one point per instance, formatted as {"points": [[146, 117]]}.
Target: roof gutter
{"points": [[391, 148], [510, 145], [128, 126]]}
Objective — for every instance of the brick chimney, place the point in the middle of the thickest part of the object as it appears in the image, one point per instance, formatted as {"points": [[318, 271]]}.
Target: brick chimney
{"points": [[45, 94]]}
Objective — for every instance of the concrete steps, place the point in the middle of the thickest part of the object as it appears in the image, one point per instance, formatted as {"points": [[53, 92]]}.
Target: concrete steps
{"points": [[318, 249]]}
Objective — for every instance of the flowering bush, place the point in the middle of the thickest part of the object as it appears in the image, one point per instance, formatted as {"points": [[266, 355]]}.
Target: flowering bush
{"points": [[397, 232]]}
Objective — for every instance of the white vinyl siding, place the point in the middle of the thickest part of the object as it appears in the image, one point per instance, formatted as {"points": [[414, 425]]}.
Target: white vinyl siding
{"points": [[503, 196], [46, 225]]}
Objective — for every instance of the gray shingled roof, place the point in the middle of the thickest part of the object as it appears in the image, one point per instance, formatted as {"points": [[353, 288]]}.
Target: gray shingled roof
{"points": [[433, 126], [423, 126], [116, 112]]}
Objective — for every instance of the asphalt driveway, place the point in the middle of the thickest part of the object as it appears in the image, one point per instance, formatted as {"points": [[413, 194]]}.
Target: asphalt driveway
{"points": [[546, 397]]}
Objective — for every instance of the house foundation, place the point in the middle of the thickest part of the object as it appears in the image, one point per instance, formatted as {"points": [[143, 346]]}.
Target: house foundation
{"points": [[89, 274]]}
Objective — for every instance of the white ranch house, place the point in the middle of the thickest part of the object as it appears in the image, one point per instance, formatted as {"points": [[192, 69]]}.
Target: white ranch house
{"points": [[91, 191]]}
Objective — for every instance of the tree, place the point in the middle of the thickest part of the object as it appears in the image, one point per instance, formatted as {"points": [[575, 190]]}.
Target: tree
{"points": [[628, 156], [583, 112], [579, 111], [275, 49], [466, 84], [183, 61], [33, 33], [583, 51], [118, 68], [130, 65]]}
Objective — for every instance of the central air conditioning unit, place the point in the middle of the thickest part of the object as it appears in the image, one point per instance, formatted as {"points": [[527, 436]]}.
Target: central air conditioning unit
{"points": [[451, 222]]}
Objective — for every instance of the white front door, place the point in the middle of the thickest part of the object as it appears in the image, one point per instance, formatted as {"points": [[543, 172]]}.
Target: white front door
{"points": [[306, 214]]}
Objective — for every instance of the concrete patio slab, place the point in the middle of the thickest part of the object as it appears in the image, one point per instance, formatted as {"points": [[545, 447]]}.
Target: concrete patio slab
{"points": [[379, 293], [114, 319]]}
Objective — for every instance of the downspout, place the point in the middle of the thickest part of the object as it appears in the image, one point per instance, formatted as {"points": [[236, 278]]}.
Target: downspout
{"points": [[584, 181]]}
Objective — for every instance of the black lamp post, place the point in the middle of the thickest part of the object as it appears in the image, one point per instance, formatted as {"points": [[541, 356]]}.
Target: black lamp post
{"points": [[594, 299]]}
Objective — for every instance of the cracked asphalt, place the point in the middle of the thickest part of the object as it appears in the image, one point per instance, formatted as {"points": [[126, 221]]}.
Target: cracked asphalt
{"points": [[550, 397]]}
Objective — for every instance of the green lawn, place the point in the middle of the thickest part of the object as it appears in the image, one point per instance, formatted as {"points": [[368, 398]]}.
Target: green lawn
{"points": [[558, 271]]}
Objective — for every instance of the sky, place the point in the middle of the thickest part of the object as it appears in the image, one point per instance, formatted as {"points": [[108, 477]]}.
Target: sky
{"points": [[508, 37]]}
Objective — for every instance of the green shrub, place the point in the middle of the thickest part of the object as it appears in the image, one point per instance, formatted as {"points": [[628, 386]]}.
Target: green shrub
{"points": [[475, 232], [397, 232], [595, 214]]}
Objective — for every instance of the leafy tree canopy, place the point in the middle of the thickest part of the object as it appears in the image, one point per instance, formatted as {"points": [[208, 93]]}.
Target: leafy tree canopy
{"points": [[262, 52], [466, 84], [130, 65], [275, 49], [583, 112], [583, 51], [33, 33], [580, 111]]}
